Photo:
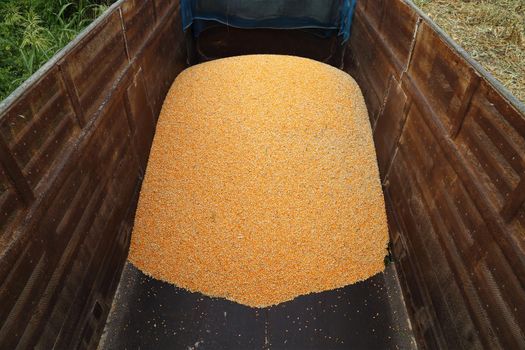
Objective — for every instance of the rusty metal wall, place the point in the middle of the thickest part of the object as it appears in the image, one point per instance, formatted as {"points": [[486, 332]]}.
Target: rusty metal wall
{"points": [[74, 143], [451, 150]]}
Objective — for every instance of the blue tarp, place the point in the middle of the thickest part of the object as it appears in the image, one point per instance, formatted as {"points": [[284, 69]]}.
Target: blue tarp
{"points": [[328, 16]]}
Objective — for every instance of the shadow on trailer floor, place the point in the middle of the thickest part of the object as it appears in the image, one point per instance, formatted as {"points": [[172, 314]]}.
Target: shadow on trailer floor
{"points": [[150, 314]]}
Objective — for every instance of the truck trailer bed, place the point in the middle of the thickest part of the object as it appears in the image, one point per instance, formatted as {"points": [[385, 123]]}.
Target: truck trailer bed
{"points": [[74, 144], [151, 314]]}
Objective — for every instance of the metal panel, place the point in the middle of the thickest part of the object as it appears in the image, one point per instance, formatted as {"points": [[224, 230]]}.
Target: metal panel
{"points": [[139, 22], [167, 46], [10, 205], [39, 126], [442, 77], [74, 142], [450, 144], [389, 127], [389, 26], [97, 61], [141, 118]]}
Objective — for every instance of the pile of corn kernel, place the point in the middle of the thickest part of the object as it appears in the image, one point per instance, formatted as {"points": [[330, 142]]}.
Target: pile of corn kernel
{"points": [[262, 183]]}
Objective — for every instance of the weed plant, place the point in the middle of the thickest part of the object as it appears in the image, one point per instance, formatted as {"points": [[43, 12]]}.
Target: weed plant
{"points": [[32, 31]]}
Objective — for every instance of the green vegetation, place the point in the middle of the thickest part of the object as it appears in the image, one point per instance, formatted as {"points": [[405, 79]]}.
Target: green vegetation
{"points": [[492, 31], [32, 31]]}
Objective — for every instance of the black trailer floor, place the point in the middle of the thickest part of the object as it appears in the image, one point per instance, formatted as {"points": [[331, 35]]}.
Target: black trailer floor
{"points": [[150, 314]]}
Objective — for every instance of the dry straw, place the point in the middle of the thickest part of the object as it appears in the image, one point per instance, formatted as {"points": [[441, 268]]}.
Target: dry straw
{"points": [[492, 31]]}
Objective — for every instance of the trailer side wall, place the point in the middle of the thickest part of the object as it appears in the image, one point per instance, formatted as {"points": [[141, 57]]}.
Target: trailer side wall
{"points": [[74, 142], [451, 150]]}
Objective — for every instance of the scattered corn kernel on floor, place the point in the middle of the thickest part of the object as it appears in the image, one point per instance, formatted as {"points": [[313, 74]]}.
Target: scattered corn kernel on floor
{"points": [[262, 183], [150, 314]]}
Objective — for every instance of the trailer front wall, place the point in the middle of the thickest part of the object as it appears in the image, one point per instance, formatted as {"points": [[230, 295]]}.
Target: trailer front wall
{"points": [[74, 143], [451, 149]]}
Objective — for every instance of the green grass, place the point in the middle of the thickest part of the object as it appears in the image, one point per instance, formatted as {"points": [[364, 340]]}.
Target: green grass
{"points": [[32, 31]]}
